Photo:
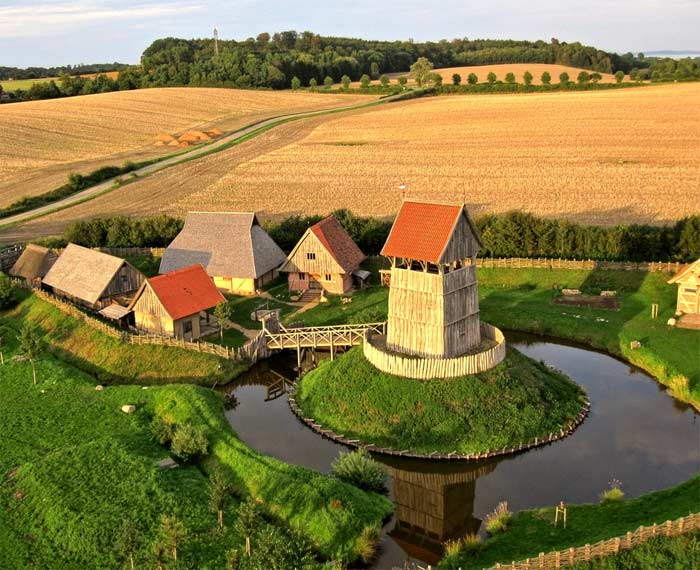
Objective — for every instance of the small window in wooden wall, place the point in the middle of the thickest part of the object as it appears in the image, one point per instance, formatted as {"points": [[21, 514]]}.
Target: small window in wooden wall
{"points": [[187, 327], [302, 276], [329, 277], [311, 255], [690, 290]]}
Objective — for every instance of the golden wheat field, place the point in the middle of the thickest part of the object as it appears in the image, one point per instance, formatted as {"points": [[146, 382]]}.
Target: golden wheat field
{"points": [[600, 157], [43, 141]]}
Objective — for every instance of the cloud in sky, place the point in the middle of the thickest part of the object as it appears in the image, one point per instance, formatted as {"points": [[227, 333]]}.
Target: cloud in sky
{"points": [[108, 30], [36, 19]]}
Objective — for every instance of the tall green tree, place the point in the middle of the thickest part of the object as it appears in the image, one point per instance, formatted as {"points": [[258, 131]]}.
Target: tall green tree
{"points": [[345, 80], [564, 78], [583, 77], [384, 80], [223, 313], [546, 78], [313, 83], [456, 79], [296, 83], [128, 541], [248, 521], [374, 70], [328, 82], [619, 76], [510, 77], [472, 79], [365, 81], [491, 78], [421, 71], [30, 345], [171, 534], [527, 78], [219, 494]]}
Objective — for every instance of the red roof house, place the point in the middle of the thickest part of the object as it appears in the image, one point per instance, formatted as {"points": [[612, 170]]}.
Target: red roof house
{"points": [[176, 303], [423, 231], [325, 258]]}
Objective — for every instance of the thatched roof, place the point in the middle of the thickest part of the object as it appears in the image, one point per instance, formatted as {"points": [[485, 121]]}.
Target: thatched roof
{"points": [[83, 273], [34, 262], [226, 244]]}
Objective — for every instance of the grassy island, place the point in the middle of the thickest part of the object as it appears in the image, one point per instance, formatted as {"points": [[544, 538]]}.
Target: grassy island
{"points": [[515, 402]]}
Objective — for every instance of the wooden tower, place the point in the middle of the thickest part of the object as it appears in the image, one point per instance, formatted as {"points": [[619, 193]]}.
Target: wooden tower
{"points": [[433, 295]]}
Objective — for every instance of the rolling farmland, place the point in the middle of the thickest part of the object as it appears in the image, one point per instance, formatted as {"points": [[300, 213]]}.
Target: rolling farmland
{"points": [[601, 157], [43, 141]]}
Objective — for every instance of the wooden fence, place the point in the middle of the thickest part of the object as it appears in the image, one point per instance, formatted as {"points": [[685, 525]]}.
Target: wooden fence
{"points": [[253, 350], [588, 265], [587, 552], [428, 368]]}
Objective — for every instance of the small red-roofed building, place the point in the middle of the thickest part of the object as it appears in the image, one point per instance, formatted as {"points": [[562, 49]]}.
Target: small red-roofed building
{"points": [[325, 258], [176, 303], [433, 295]]}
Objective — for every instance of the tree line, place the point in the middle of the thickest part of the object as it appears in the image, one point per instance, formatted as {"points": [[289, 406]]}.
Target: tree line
{"points": [[513, 234], [44, 72], [280, 60]]}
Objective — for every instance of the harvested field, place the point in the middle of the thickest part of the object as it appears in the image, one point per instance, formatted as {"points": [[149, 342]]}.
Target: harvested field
{"points": [[43, 141], [601, 157]]}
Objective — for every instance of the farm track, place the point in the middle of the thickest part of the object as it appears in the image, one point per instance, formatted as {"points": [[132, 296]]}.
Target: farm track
{"points": [[187, 161]]}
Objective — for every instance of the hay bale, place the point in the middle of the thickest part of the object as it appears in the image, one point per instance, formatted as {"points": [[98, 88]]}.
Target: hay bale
{"points": [[128, 408]]}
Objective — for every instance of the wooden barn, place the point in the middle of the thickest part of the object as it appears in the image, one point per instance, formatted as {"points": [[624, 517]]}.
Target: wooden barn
{"points": [[91, 278], [688, 281], [433, 296], [176, 303], [325, 258], [34, 264], [231, 246]]}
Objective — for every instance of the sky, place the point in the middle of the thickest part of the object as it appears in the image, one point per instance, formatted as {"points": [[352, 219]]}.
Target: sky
{"points": [[59, 32]]}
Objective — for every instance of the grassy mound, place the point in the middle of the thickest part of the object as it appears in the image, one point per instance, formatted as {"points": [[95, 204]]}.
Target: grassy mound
{"points": [[109, 360], [515, 402], [73, 467]]}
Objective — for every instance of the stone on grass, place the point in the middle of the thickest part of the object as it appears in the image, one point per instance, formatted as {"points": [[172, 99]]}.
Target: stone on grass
{"points": [[128, 408], [167, 463], [570, 292], [608, 293], [635, 344], [99, 387], [671, 322]]}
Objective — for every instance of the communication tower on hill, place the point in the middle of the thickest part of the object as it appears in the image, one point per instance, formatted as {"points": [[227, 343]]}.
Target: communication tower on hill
{"points": [[216, 41]]}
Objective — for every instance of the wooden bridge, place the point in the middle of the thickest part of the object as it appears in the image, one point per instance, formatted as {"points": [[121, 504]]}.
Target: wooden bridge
{"points": [[330, 337]]}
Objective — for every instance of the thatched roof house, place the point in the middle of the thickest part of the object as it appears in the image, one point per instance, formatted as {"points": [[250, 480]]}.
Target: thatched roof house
{"points": [[325, 258], [231, 246], [176, 303], [34, 263], [90, 277], [688, 281]]}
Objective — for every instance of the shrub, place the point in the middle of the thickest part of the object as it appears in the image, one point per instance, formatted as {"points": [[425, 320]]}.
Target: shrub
{"points": [[497, 521], [162, 430], [7, 292], [189, 442], [360, 470], [471, 543], [368, 543], [614, 494]]}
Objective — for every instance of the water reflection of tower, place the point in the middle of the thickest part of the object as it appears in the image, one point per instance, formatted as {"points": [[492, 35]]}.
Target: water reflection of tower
{"points": [[434, 502]]}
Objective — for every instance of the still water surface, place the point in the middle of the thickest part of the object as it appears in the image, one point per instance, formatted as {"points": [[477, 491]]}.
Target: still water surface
{"points": [[635, 433]]}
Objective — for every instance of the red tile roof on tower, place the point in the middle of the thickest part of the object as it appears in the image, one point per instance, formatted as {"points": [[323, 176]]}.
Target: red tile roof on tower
{"points": [[186, 291], [421, 231], [338, 243]]}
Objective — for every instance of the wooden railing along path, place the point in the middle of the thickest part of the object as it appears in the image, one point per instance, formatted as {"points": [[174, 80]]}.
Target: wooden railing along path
{"points": [[331, 337]]}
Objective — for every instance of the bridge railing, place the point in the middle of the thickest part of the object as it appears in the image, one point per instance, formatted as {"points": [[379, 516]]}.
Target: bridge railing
{"points": [[318, 337]]}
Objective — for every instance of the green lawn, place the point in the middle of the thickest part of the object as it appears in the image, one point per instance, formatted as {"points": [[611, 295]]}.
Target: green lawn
{"points": [[109, 360], [531, 532], [521, 299], [233, 338], [515, 402], [243, 306], [24, 84], [73, 466]]}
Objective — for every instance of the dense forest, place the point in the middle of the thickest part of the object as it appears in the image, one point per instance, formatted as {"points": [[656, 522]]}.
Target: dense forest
{"points": [[289, 58], [514, 234]]}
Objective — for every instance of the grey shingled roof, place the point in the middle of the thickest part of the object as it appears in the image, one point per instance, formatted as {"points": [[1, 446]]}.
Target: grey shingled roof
{"points": [[226, 244], [34, 262], [83, 273]]}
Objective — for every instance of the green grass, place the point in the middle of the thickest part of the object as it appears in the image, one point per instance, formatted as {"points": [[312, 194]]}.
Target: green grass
{"points": [[243, 306], [109, 360], [72, 466], [23, 84], [515, 402], [146, 264], [232, 338], [531, 532], [521, 299], [679, 552]]}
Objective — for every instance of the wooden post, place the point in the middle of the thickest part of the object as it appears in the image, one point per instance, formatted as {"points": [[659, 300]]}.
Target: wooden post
{"points": [[654, 310], [332, 347]]}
